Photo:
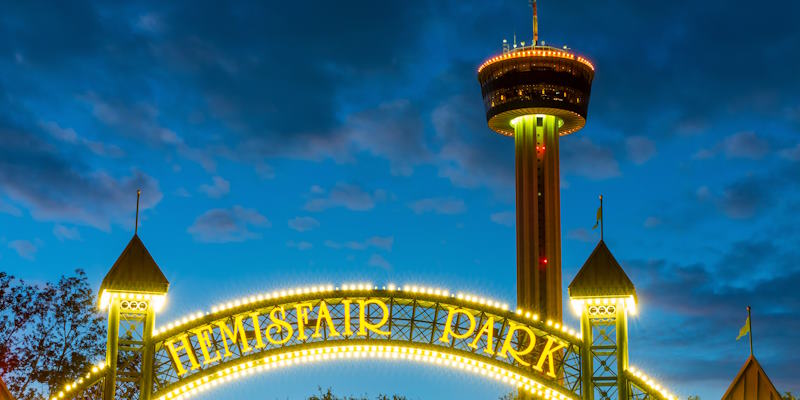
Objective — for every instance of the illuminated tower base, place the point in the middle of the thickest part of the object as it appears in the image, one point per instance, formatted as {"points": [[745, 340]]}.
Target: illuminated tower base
{"points": [[538, 216]]}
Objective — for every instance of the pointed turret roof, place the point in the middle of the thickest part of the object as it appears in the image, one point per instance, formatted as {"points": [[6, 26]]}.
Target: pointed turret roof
{"points": [[135, 271], [751, 383], [601, 276]]}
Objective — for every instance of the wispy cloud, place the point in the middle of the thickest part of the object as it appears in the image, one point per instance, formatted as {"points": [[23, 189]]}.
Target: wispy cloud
{"points": [[378, 242], [302, 224], [505, 218], [24, 248], [217, 189], [65, 233], [344, 195], [377, 260], [439, 205], [301, 245], [640, 149], [236, 224]]}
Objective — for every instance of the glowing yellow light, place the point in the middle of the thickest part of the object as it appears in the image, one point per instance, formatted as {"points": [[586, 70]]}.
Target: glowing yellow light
{"points": [[344, 352]]}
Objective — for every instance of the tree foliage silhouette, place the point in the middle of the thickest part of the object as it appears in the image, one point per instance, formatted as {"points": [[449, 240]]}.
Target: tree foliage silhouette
{"points": [[327, 394], [50, 334]]}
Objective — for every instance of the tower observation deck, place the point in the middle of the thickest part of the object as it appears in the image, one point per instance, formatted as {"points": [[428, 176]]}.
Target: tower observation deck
{"points": [[537, 93]]}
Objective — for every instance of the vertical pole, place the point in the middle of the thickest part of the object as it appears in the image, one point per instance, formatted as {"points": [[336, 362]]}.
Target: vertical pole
{"points": [[602, 220], [146, 384], [587, 391], [109, 390], [750, 329], [622, 351], [136, 226]]}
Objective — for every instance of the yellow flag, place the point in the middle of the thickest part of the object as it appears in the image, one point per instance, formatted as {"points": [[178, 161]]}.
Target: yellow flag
{"points": [[599, 217], [745, 329]]}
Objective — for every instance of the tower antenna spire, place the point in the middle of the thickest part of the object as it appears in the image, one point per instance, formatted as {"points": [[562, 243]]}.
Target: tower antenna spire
{"points": [[535, 23], [136, 225]]}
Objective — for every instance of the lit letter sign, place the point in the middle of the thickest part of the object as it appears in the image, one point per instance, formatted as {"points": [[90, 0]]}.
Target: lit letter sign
{"points": [[314, 321]]}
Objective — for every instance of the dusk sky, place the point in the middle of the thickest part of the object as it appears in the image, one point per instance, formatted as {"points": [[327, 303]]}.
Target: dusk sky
{"points": [[303, 142]]}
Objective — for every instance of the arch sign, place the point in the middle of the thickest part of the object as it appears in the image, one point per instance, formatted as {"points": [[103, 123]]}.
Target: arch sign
{"points": [[316, 324], [321, 323]]}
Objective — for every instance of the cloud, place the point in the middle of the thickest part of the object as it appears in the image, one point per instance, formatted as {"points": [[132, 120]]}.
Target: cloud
{"points": [[352, 245], [505, 218], [652, 222], [149, 23], [9, 209], [740, 199], [439, 205], [745, 145], [640, 149], [378, 242], [141, 121], [743, 198], [64, 233], [582, 157], [791, 153], [221, 225], [393, 131], [470, 155], [703, 154], [69, 135], [300, 118], [301, 245], [377, 260], [582, 235], [53, 186], [348, 196], [382, 242], [24, 248], [703, 193], [302, 224], [217, 189], [708, 300]]}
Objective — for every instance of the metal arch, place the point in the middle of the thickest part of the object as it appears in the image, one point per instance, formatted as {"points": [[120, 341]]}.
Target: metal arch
{"points": [[415, 320], [641, 390]]}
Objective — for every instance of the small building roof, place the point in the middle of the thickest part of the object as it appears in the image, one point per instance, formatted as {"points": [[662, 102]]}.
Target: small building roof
{"points": [[135, 271], [601, 276], [751, 383]]}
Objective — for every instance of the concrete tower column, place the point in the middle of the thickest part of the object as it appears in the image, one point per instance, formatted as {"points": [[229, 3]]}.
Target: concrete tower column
{"points": [[538, 215]]}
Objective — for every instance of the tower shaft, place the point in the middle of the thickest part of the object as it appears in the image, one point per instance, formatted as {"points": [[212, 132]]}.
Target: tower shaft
{"points": [[538, 215]]}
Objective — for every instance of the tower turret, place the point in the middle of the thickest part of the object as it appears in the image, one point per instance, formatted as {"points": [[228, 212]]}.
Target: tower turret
{"points": [[603, 296], [536, 94], [133, 291]]}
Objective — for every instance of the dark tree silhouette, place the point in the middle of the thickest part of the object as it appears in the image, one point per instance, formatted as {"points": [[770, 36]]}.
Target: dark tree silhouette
{"points": [[328, 395], [49, 334]]}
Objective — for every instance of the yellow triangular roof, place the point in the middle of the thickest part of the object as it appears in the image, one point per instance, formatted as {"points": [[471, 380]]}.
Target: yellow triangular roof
{"points": [[135, 271], [601, 276], [751, 383]]}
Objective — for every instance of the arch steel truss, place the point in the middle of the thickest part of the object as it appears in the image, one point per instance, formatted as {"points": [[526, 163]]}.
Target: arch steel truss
{"points": [[416, 325], [540, 357]]}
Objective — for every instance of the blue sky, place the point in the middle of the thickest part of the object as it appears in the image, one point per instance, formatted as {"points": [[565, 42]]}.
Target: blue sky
{"points": [[280, 143]]}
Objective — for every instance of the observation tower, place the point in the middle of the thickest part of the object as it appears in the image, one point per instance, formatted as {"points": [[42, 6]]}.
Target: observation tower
{"points": [[535, 94]]}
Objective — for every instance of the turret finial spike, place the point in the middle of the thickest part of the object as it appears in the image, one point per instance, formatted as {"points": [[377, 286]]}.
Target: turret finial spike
{"points": [[136, 225]]}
